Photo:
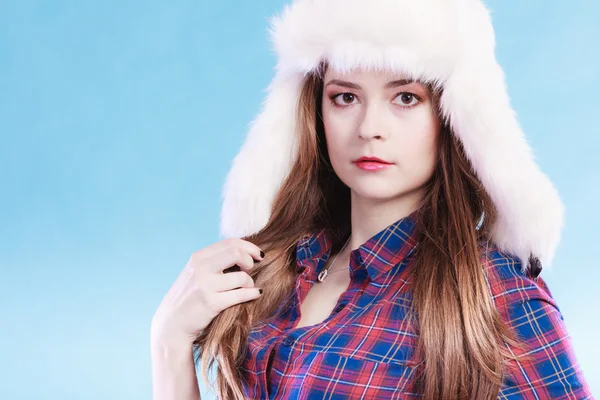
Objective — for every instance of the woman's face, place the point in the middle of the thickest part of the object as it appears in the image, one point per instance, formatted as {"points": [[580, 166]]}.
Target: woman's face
{"points": [[376, 114]]}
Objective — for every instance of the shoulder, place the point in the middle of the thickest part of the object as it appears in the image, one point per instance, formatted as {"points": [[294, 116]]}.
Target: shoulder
{"points": [[551, 368], [523, 301], [509, 282]]}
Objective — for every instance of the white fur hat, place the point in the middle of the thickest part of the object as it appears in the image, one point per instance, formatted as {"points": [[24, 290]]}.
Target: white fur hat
{"points": [[447, 42]]}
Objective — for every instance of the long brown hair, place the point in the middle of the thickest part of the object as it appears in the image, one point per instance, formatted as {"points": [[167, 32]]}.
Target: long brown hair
{"points": [[461, 334]]}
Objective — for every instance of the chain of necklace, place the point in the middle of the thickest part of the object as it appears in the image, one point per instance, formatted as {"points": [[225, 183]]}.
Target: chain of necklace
{"points": [[323, 274]]}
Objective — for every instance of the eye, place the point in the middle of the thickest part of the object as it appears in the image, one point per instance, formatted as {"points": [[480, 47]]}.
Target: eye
{"points": [[343, 99], [407, 98]]}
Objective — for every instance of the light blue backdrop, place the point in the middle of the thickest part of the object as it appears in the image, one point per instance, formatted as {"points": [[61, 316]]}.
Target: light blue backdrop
{"points": [[118, 122]]}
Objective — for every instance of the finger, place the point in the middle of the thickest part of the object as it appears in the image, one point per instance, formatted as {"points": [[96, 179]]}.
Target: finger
{"points": [[229, 257], [232, 280], [253, 250], [236, 296], [217, 247]]}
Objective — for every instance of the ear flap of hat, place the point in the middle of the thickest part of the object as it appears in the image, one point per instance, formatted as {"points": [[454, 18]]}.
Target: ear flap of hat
{"points": [[263, 162], [476, 103]]}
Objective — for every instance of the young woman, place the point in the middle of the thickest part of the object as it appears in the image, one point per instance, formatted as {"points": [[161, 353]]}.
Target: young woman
{"points": [[386, 225]]}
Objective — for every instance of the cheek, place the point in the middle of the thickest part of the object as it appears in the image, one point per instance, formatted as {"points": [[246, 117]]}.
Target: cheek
{"points": [[336, 131], [421, 155]]}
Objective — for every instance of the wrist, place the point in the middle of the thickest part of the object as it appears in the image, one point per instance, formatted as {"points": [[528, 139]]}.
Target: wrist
{"points": [[161, 338], [173, 342]]}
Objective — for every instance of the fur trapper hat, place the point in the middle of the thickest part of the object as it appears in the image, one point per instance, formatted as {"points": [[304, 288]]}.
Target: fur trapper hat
{"points": [[446, 42]]}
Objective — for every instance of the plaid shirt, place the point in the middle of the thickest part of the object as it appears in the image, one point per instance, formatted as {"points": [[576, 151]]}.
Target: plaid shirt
{"points": [[361, 350]]}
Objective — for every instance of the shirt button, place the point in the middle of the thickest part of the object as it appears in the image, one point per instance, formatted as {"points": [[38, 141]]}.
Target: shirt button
{"points": [[288, 341], [340, 307]]}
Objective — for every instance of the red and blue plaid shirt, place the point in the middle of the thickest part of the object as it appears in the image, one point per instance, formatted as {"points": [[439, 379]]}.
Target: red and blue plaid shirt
{"points": [[361, 350]]}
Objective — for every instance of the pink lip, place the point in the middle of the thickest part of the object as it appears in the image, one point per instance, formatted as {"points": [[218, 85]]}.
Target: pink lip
{"points": [[372, 163], [372, 159]]}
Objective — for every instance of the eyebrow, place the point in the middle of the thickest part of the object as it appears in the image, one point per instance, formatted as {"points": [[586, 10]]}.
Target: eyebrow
{"points": [[350, 85]]}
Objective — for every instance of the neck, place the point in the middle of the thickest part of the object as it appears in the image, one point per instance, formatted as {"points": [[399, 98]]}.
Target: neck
{"points": [[369, 215]]}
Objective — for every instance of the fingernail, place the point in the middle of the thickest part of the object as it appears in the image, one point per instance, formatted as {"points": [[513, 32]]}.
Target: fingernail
{"points": [[260, 291], [262, 254]]}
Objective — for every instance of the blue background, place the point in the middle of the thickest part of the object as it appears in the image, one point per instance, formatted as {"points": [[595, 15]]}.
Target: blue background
{"points": [[119, 120]]}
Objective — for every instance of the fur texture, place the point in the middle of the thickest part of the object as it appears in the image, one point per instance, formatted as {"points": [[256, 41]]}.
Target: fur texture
{"points": [[449, 43]]}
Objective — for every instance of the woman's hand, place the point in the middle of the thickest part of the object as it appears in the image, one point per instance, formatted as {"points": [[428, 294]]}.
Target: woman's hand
{"points": [[209, 283]]}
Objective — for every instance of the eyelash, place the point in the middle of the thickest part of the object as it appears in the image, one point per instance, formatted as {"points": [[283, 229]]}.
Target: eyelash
{"points": [[333, 103]]}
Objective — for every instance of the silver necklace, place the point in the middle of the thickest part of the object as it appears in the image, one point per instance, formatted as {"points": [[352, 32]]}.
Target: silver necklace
{"points": [[323, 274]]}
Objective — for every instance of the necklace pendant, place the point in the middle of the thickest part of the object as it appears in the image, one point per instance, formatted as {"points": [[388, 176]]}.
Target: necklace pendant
{"points": [[322, 275]]}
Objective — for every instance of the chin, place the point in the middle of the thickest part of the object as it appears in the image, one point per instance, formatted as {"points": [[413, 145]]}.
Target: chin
{"points": [[377, 192]]}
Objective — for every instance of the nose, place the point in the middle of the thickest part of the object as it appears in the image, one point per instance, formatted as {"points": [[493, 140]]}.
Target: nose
{"points": [[372, 125]]}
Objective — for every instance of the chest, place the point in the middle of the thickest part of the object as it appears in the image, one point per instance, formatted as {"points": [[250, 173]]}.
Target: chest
{"points": [[321, 299], [349, 338]]}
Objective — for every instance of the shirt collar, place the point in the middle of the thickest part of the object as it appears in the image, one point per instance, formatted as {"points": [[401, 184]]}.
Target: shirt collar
{"points": [[378, 255]]}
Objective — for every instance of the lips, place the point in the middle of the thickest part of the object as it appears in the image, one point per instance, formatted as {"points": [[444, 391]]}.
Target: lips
{"points": [[372, 164], [372, 160]]}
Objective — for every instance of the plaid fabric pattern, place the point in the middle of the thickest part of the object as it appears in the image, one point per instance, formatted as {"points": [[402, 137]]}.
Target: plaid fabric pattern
{"points": [[361, 350]]}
